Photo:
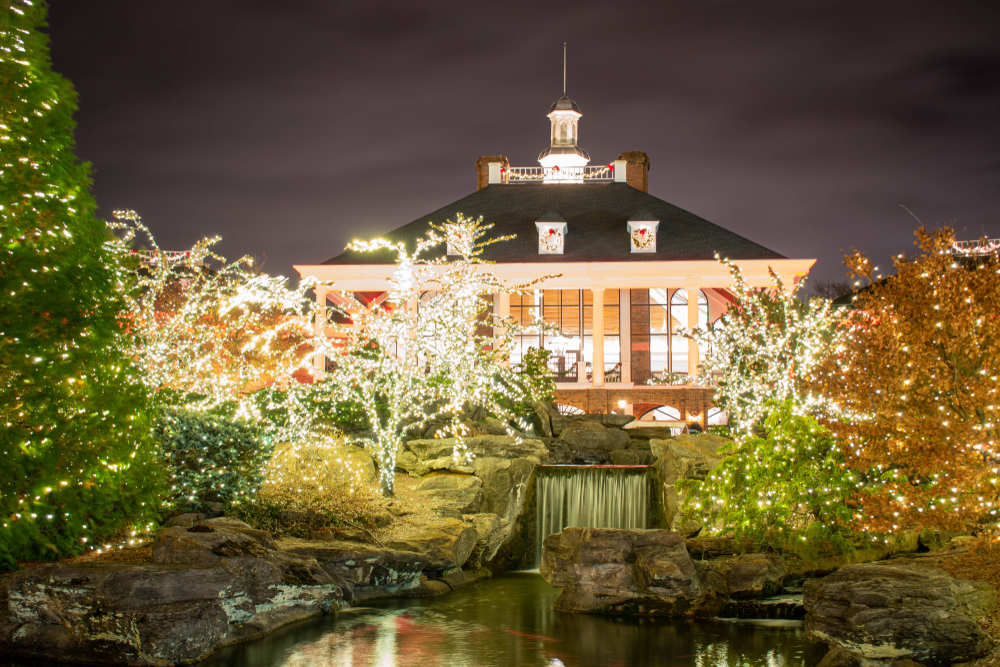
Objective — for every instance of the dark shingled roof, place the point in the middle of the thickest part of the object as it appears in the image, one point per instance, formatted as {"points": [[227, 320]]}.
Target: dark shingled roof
{"points": [[597, 217]]}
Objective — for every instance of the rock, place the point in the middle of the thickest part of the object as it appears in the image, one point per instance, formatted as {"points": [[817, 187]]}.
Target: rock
{"points": [[422, 457], [785, 607], [838, 657], [491, 531], [185, 520], [936, 538], [629, 572], [367, 572], [676, 459], [631, 457], [704, 548], [589, 435], [544, 413], [751, 575], [505, 483], [165, 612], [262, 536], [706, 442], [453, 495], [445, 543], [899, 609]]}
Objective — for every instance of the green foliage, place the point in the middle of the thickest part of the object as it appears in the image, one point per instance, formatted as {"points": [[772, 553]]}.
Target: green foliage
{"points": [[531, 382], [211, 458], [785, 488], [78, 460]]}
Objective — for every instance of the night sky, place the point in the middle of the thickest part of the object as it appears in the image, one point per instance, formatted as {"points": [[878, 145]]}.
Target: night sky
{"points": [[289, 128]]}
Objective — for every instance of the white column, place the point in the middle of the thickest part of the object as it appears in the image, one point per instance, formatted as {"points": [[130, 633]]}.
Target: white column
{"points": [[598, 318], [503, 312], [319, 361], [693, 293], [625, 334]]}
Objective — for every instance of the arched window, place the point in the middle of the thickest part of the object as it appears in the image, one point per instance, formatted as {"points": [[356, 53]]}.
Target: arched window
{"points": [[562, 131], [565, 409], [664, 413]]}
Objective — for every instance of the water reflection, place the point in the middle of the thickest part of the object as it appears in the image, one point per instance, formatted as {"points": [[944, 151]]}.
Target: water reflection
{"points": [[507, 621]]}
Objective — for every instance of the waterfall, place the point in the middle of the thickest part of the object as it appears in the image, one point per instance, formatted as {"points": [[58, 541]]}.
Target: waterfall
{"points": [[590, 497]]}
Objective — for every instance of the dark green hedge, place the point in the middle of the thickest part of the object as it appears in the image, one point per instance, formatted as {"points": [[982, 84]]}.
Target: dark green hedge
{"points": [[210, 458]]}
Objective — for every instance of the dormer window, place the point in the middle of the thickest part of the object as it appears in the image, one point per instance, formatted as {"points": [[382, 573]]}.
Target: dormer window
{"points": [[551, 237], [642, 233]]}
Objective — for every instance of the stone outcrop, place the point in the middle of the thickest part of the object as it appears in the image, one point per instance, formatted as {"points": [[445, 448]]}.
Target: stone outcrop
{"points": [[632, 457], [206, 587], [750, 575], [684, 457], [366, 572], [445, 543], [492, 532], [898, 610], [629, 572], [454, 495], [589, 435]]}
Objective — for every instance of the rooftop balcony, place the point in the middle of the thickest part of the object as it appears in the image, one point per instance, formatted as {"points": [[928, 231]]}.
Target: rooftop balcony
{"points": [[978, 247], [610, 173]]}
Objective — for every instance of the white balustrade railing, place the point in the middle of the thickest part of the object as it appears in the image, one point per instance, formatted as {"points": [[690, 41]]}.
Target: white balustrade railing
{"points": [[977, 247], [557, 174]]}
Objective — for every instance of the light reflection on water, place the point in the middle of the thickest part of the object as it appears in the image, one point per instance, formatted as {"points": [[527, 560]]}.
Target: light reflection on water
{"points": [[507, 621]]}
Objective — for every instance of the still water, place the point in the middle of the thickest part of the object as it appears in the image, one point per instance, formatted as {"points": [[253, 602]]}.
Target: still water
{"points": [[507, 622]]}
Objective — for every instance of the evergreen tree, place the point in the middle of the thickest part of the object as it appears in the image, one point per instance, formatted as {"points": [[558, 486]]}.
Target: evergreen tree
{"points": [[75, 438]]}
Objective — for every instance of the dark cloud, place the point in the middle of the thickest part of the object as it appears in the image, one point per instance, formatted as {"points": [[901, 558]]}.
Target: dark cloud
{"points": [[289, 128]]}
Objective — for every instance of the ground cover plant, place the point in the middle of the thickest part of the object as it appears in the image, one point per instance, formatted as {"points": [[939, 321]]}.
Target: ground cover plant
{"points": [[79, 463]]}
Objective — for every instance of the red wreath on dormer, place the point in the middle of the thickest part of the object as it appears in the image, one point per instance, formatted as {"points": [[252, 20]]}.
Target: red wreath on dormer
{"points": [[551, 239], [643, 238]]}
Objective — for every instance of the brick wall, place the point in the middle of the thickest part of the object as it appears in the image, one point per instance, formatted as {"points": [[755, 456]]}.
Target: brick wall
{"points": [[483, 169], [692, 402], [637, 171]]}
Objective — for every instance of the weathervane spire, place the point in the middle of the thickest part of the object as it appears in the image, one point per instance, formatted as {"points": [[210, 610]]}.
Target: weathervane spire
{"points": [[564, 68]]}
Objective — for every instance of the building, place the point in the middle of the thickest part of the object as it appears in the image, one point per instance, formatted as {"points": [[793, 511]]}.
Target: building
{"points": [[634, 270]]}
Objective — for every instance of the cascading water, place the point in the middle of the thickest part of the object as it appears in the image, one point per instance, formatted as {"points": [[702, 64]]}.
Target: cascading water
{"points": [[589, 497]]}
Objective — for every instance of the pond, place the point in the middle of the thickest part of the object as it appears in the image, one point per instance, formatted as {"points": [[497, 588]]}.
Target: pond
{"points": [[507, 621]]}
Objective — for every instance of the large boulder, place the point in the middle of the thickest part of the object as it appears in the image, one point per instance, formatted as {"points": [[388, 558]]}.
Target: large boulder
{"points": [[207, 586], [629, 572], [366, 572], [445, 543], [453, 495], [897, 610], [631, 457], [421, 457], [544, 414], [590, 435], [677, 459], [750, 575], [492, 531]]}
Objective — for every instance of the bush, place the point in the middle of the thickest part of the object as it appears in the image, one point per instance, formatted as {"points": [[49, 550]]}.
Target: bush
{"points": [[787, 487], [210, 458], [313, 485]]}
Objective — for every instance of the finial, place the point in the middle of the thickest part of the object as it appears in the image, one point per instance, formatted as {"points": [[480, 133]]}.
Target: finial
{"points": [[564, 68]]}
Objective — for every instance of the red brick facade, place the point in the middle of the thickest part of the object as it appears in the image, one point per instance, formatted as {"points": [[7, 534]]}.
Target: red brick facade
{"points": [[692, 402]]}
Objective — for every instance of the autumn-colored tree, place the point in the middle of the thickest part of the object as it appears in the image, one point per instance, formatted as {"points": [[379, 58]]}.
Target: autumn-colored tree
{"points": [[915, 382]]}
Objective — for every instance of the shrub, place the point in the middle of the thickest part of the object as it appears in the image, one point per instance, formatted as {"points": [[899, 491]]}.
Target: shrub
{"points": [[787, 487], [210, 458]]}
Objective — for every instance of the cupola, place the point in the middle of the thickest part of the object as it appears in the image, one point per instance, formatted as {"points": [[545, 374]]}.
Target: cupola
{"points": [[563, 150]]}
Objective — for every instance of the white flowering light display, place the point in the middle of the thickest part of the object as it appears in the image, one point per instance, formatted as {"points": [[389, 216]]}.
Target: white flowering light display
{"points": [[432, 348], [765, 348]]}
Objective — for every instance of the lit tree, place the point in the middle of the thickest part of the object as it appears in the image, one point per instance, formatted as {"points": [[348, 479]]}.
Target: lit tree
{"points": [[765, 348], [210, 336], [916, 384], [74, 432], [788, 484], [433, 348]]}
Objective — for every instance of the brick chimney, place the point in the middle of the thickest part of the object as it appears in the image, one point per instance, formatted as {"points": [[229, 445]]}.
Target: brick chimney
{"points": [[637, 169], [483, 169]]}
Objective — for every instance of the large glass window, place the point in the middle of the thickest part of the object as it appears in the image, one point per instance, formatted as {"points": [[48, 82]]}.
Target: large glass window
{"points": [[668, 316], [572, 347]]}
